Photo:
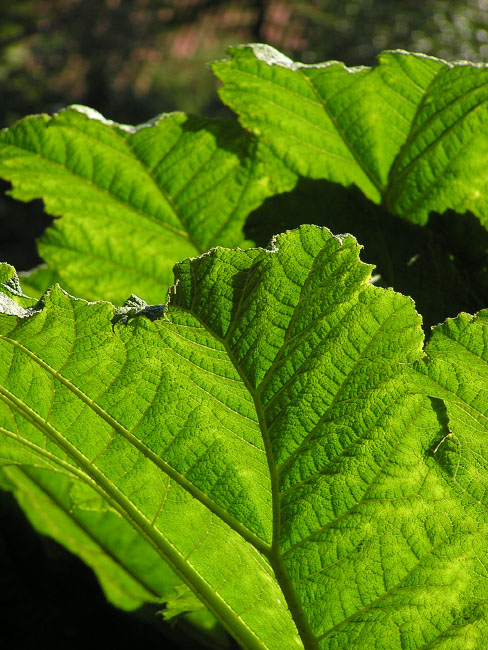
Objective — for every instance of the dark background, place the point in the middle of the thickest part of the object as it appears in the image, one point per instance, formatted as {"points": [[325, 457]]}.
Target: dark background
{"points": [[130, 60]]}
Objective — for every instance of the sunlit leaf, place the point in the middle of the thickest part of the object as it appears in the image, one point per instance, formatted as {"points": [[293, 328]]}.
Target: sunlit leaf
{"points": [[411, 132], [267, 434]]}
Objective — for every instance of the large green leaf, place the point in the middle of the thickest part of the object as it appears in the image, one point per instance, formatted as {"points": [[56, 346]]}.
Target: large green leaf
{"points": [[265, 435], [133, 200], [411, 133]]}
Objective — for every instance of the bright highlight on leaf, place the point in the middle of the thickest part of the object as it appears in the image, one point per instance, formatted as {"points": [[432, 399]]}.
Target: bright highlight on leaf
{"points": [[265, 437]]}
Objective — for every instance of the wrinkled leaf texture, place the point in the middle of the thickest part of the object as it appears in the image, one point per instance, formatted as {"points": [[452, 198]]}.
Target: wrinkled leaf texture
{"points": [[277, 436], [411, 132], [133, 200]]}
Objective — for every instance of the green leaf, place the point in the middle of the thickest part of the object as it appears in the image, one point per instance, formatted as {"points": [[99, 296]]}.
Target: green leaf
{"points": [[442, 266], [133, 200], [266, 436], [129, 569], [455, 369], [411, 132], [38, 280]]}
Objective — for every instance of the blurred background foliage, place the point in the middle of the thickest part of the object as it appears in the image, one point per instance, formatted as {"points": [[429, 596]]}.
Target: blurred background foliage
{"points": [[130, 60]]}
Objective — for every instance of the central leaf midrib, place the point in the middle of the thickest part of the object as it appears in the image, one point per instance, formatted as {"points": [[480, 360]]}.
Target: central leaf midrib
{"points": [[272, 553]]}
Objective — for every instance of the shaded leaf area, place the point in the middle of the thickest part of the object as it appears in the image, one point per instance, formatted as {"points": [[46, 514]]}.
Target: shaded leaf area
{"points": [[37, 280], [442, 266], [411, 132], [467, 243], [48, 594], [59, 596], [133, 200], [128, 568], [266, 436]]}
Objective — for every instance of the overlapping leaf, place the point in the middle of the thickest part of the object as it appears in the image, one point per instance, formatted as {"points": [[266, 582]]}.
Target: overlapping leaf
{"points": [[128, 568], [133, 200], [262, 434], [411, 133]]}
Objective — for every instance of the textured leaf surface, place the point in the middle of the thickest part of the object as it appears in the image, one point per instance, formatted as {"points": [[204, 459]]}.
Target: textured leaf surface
{"points": [[442, 266], [265, 436], [455, 369], [412, 132], [134, 200]]}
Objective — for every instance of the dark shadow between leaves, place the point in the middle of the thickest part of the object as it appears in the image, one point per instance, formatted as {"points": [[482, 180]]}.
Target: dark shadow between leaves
{"points": [[466, 239], [443, 266], [20, 226]]}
